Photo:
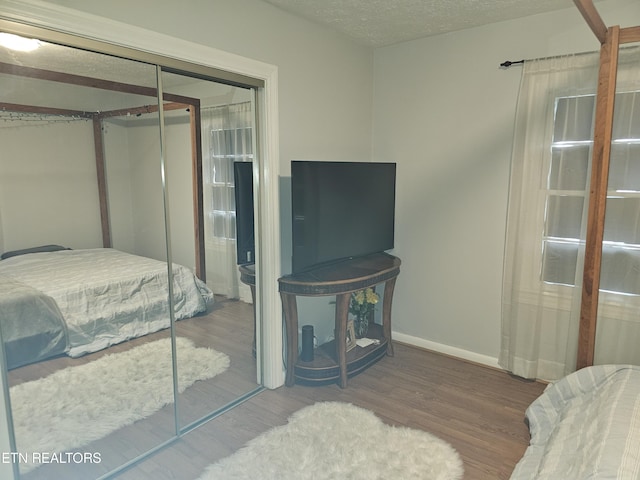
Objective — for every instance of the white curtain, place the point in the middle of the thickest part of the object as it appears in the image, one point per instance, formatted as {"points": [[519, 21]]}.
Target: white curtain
{"points": [[227, 138], [548, 204]]}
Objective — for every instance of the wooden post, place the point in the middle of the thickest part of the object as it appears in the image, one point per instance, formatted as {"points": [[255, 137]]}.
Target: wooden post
{"points": [[98, 142], [598, 196], [196, 172]]}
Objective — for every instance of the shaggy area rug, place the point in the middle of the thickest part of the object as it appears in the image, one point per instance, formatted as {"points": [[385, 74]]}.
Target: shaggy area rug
{"points": [[333, 440], [75, 406]]}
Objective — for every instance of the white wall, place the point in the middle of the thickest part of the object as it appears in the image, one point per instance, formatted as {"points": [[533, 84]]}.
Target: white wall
{"points": [[40, 161], [325, 85], [115, 136], [134, 181], [37, 164], [444, 110], [179, 162], [441, 108], [325, 80]]}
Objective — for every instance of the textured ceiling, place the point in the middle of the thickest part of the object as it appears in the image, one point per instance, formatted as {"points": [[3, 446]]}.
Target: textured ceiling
{"points": [[378, 23]]}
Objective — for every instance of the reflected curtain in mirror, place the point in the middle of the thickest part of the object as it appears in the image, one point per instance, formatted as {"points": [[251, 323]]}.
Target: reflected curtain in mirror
{"points": [[228, 131]]}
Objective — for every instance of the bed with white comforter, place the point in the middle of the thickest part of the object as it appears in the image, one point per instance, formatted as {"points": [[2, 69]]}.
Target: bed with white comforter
{"points": [[585, 426], [106, 296]]}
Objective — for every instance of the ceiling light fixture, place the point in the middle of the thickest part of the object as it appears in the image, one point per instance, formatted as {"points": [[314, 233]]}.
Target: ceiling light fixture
{"points": [[21, 44]]}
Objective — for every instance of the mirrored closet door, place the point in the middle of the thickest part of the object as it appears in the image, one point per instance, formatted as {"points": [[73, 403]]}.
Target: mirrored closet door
{"points": [[223, 117], [110, 353]]}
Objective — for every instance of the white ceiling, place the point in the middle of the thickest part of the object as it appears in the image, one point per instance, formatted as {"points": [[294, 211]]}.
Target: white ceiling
{"points": [[378, 23]]}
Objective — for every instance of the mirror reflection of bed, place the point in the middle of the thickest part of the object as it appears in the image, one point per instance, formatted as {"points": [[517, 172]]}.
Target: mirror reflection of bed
{"points": [[85, 275]]}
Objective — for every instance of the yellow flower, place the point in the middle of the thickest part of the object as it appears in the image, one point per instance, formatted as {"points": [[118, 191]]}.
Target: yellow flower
{"points": [[359, 297], [363, 302], [371, 296]]}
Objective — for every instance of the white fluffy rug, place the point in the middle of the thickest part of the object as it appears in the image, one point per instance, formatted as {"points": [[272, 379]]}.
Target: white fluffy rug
{"points": [[75, 406], [333, 440]]}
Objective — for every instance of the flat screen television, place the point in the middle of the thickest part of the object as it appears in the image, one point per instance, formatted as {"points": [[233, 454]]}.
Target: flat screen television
{"points": [[340, 210], [245, 230]]}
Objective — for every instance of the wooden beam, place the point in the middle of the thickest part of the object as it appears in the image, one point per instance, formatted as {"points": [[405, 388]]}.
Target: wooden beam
{"points": [[79, 80], [198, 203], [593, 19], [629, 35], [90, 82], [16, 107], [123, 112], [598, 197], [98, 142]]}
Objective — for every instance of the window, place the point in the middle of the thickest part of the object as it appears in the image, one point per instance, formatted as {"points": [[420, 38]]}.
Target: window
{"points": [[227, 146], [227, 134], [567, 200]]}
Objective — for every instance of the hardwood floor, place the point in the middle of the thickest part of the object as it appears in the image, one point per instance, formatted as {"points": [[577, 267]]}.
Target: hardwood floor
{"points": [[227, 327], [478, 410]]}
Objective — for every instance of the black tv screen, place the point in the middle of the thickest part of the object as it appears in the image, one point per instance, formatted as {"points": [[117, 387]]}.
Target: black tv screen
{"points": [[340, 210], [245, 235]]}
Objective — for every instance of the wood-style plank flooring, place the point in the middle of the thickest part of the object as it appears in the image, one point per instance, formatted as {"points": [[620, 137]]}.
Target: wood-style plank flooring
{"points": [[227, 327], [478, 410]]}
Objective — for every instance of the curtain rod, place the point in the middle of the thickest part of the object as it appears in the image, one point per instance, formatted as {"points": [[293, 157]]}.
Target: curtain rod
{"points": [[226, 105], [508, 63]]}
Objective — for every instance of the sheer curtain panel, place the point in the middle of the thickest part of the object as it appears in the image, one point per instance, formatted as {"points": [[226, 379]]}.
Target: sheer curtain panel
{"points": [[547, 217], [227, 131], [540, 319]]}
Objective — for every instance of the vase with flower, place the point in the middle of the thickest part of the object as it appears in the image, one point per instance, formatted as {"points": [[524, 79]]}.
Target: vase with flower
{"points": [[362, 305]]}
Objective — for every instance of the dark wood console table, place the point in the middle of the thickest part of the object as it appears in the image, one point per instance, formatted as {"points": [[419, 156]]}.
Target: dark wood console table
{"points": [[332, 361]]}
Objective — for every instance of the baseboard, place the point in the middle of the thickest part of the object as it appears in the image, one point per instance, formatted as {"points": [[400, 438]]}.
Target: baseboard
{"points": [[447, 350]]}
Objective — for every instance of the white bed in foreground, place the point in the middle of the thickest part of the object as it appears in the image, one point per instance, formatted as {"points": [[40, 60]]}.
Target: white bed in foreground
{"points": [[585, 426], [107, 296]]}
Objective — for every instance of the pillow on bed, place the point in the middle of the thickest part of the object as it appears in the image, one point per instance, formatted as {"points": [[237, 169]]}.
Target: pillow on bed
{"points": [[24, 251]]}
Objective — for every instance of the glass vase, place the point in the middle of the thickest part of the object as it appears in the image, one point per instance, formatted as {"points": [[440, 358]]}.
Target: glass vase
{"points": [[361, 326]]}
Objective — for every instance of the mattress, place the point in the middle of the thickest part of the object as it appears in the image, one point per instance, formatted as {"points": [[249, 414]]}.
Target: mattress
{"points": [[107, 296], [585, 426]]}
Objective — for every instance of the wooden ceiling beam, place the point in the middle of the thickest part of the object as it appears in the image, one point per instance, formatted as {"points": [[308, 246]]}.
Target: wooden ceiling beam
{"points": [[72, 79], [146, 109], [90, 82], [593, 19], [630, 35], [18, 108], [15, 107]]}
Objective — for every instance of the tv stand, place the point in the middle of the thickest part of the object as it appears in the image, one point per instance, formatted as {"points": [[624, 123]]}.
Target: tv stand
{"points": [[332, 361]]}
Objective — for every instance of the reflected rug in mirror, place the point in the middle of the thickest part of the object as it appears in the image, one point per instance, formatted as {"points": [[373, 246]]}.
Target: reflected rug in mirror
{"points": [[77, 405], [334, 440]]}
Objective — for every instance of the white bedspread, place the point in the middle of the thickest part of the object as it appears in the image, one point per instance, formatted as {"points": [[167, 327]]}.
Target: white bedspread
{"points": [[107, 296], [33, 328], [586, 426]]}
